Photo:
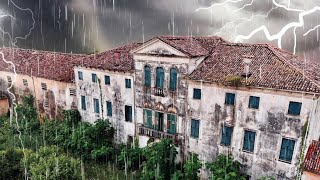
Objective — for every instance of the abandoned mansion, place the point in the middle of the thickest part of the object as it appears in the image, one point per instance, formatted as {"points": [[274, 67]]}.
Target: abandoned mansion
{"points": [[253, 101]]}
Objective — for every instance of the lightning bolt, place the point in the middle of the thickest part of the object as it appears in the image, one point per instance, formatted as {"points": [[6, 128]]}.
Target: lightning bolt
{"points": [[13, 43]]}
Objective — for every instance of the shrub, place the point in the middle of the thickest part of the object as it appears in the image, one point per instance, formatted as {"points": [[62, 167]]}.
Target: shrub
{"points": [[10, 164], [192, 167]]}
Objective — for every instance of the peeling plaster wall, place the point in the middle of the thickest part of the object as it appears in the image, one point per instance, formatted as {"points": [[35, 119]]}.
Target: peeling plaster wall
{"points": [[270, 122], [57, 93], [146, 99], [116, 93]]}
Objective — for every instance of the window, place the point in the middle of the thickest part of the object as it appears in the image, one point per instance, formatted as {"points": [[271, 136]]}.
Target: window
{"points": [[226, 135], [148, 118], [172, 123], [294, 108], [230, 99], [254, 102], [109, 109], [83, 103], [107, 80], [195, 128], [80, 75], [73, 92], [128, 113], [94, 78], [128, 83], [248, 141], [9, 80], [160, 78], [287, 147], [96, 106], [173, 79], [196, 93], [44, 86], [147, 76], [25, 82]]}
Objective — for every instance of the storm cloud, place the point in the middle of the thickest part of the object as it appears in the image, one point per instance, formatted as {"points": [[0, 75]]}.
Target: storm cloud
{"points": [[83, 26]]}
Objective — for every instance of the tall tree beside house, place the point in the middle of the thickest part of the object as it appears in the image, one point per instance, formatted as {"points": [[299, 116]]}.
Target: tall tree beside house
{"points": [[27, 115]]}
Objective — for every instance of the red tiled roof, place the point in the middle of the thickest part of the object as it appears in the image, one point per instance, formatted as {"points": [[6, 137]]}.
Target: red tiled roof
{"points": [[48, 65], [59, 66], [270, 67], [192, 46], [312, 160], [118, 59]]}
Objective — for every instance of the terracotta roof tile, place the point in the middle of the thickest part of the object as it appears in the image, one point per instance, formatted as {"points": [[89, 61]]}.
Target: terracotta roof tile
{"points": [[312, 160], [270, 67]]}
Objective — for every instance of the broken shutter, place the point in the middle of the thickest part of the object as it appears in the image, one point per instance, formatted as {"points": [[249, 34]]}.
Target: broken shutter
{"points": [[173, 79], [172, 125], [160, 78], [148, 118], [195, 128], [147, 76]]}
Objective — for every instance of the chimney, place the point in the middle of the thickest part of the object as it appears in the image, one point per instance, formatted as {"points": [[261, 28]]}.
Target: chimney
{"points": [[246, 70]]}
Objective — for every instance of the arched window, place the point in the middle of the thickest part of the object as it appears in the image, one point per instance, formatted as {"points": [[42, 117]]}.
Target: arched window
{"points": [[173, 79], [160, 78], [147, 76]]}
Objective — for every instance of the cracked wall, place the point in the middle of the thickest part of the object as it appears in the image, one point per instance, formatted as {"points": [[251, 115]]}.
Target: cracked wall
{"points": [[270, 122]]}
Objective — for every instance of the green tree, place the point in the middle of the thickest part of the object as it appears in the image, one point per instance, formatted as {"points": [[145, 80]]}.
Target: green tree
{"points": [[192, 167], [10, 164], [224, 167], [159, 162], [27, 115]]}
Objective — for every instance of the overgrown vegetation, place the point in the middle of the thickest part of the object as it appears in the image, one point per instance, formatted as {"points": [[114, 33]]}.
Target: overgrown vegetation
{"points": [[69, 148]]}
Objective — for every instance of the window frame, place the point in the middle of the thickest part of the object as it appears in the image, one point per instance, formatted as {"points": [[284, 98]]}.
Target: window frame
{"points": [[96, 109], [226, 99], [294, 146], [128, 86], [83, 103], [107, 80], [290, 112], [252, 98], [147, 79], [25, 82], [200, 91], [173, 82], [221, 139], [94, 77], [109, 108], [125, 113], [192, 134], [254, 142], [80, 75]]}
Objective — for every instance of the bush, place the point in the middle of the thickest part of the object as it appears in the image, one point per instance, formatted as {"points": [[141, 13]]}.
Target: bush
{"points": [[192, 167], [10, 164], [27, 115], [49, 163], [224, 167]]}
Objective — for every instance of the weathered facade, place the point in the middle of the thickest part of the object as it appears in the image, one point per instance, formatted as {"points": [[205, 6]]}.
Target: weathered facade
{"points": [[255, 102]]}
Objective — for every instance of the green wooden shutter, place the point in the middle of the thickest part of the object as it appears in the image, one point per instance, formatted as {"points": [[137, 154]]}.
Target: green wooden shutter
{"points": [[147, 76], [254, 102], [107, 80], [192, 128], [160, 78], [109, 108], [157, 120], [294, 108], [229, 99], [171, 121], [83, 103], [173, 79], [96, 105], [148, 118]]}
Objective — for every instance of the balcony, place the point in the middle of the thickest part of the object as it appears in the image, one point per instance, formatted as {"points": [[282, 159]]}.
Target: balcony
{"points": [[154, 133], [158, 91]]}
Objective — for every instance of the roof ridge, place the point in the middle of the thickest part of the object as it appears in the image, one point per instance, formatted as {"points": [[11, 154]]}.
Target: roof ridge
{"points": [[41, 51]]}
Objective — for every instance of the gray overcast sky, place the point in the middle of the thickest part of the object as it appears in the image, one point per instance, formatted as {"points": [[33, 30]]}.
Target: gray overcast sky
{"points": [[82, 26]]}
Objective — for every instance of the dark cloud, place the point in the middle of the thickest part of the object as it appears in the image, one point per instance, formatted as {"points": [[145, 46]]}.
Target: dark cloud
{"points": [[84, 26]]}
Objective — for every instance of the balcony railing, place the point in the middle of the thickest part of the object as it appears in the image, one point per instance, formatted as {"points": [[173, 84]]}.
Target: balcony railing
{"points": [[158, 91], [154, 133]]}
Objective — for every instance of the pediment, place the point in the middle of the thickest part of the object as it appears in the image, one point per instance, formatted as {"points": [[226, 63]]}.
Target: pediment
{"points": [[158, 47]]}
